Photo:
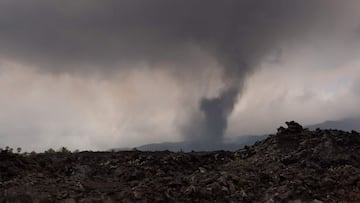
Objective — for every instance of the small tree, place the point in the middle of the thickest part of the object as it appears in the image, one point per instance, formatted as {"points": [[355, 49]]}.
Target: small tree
{"points": [[18, 150], [50, 151], [8, 149], [32, 153], [64, 150]]}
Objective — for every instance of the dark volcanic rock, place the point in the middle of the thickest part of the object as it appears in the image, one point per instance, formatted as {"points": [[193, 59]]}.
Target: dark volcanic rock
{"points": [[294, 165]]}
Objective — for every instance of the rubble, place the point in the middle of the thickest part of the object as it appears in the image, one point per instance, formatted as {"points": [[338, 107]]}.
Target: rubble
{"points": [[294, 165]]}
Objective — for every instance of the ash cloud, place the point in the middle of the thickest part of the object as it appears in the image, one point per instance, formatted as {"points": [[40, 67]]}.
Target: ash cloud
{"points": [[85, 37]]}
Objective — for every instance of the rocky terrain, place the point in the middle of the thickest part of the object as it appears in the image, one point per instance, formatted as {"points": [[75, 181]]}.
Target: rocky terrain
{"points": [[294, 165]]}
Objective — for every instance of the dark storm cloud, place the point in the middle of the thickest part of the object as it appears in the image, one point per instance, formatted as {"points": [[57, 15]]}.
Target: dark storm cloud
{"points": [[102, 36], [61, 35]]}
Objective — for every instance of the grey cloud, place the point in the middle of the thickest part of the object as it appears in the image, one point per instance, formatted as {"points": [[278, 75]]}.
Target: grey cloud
{"points": [[357, 30], [64, 35], [104, 36], [356, 87]]}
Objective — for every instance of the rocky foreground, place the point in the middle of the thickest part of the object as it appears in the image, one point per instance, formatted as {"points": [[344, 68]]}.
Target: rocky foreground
{"points": [[295, 165]]}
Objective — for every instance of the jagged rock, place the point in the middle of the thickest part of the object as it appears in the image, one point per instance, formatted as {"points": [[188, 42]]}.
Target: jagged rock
{"points": [[294, 165], [293, 126]]}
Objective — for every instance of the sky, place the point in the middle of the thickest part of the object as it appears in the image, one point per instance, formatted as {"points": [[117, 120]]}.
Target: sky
{"points": [[95, 75]]}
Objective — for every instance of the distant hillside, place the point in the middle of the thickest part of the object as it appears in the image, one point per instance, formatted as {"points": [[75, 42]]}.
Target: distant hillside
{"points": [[347, 124], [230, 145]]}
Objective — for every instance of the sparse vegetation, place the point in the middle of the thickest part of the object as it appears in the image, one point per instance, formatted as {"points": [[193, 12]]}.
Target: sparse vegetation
{"points": [[62, 150]]}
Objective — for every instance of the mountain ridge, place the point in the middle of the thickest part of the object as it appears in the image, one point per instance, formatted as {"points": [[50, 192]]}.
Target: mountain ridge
{"points": [[346, 124], [188, 146]]}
